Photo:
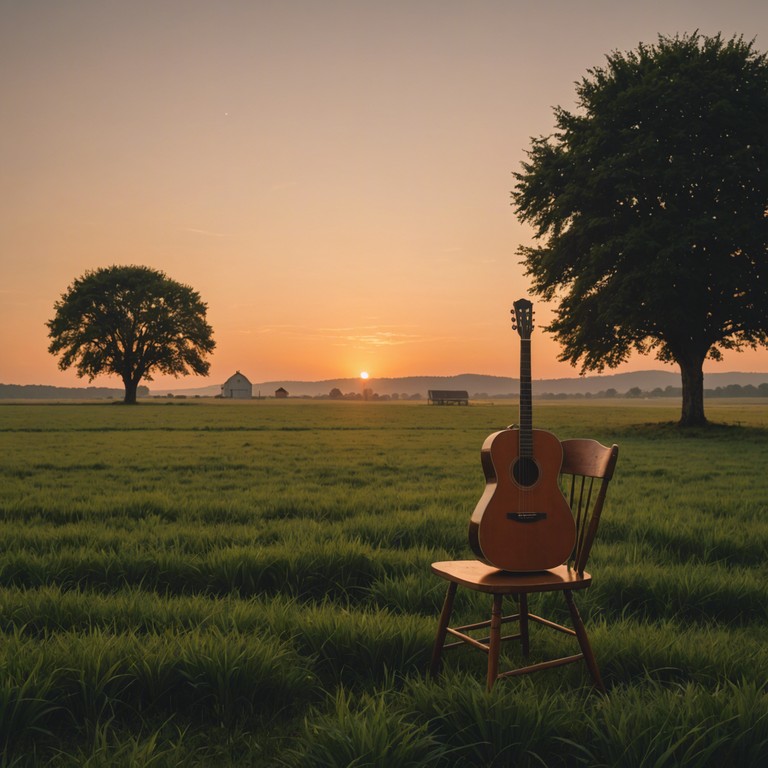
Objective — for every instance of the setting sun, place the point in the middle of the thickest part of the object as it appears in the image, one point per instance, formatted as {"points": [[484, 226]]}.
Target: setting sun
{"points": [[364, 374]]}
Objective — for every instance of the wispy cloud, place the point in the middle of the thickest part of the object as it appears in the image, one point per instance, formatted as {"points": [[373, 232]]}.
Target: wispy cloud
{"points": [[206, 232], [379, 339], [370, 336]]}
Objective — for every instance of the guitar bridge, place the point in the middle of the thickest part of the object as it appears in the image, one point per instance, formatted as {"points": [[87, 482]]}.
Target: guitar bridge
{"points": [[526, 517]]}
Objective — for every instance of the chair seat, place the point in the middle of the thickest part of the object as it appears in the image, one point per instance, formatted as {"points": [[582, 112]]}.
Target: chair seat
{"points": [[474, 574]]}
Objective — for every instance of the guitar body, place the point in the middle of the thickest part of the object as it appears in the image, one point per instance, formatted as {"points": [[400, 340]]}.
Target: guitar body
{"points": [[522, 521]]}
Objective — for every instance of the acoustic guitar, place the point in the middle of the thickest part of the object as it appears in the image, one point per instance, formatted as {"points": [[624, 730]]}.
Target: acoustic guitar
{"points": [[522, 521]]}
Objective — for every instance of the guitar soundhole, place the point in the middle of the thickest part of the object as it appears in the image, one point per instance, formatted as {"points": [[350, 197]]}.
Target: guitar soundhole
{"points": [[525, 472]]}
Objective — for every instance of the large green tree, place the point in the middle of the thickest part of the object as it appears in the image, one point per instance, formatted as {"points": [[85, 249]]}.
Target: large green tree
{"points": [[650, 209], [130, 321]]}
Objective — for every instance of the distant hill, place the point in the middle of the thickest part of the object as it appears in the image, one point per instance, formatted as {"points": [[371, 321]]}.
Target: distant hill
{"points": [[488, 385], [475, 384], [42, 392]]}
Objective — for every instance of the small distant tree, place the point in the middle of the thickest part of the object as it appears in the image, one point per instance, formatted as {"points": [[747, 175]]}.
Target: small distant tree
{"points": [[335, 394], [649, 207], [132, 322]]}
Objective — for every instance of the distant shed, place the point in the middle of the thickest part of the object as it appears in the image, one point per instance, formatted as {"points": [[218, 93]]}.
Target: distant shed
{"points": [[281, 392], [448, 397], [237, 387]]}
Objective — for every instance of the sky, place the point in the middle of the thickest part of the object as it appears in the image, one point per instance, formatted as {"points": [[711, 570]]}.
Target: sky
{"points": [[332, 176]]}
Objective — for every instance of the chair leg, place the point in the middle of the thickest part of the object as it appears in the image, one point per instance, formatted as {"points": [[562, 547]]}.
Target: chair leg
{"points": [[523, 602], [442, 629], [586, 648], [494, 646]]}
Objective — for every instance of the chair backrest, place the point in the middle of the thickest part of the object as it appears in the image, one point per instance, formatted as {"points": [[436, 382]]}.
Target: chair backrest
{"points": [[586, 471]]}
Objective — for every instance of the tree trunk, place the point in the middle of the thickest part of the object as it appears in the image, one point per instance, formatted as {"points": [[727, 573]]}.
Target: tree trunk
{"points": [[130, 391], [693, 393]]}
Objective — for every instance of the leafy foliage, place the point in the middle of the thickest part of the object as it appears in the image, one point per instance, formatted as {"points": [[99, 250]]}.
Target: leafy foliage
{"points": [[650, 203], [130, 321]]}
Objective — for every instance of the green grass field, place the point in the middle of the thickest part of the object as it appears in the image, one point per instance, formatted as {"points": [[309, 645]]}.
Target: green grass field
{"points": [[248, 584]]}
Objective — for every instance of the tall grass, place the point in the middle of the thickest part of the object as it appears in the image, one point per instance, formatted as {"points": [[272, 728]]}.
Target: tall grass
{"points": [[248, 584]]}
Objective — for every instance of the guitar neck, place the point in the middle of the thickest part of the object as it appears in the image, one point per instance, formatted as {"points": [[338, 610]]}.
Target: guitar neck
{"points": [[526, 400]]}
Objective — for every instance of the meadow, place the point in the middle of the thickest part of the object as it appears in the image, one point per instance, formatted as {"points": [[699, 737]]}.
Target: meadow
{"points": [[248, 584]]}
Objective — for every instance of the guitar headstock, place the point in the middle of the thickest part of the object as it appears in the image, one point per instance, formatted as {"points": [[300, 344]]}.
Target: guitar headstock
{"points": [[522, 318]]}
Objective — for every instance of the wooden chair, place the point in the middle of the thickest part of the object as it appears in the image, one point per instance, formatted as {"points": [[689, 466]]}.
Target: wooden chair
{"points": [[586, 471]]}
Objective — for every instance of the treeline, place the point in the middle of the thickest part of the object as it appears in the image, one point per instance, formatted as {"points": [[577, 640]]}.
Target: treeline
{"points": [[731, 390], [43, 392], [366, 394]]}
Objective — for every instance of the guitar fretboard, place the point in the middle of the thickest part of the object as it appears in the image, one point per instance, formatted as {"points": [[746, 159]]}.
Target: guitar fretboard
{"points": [[526, 401]]}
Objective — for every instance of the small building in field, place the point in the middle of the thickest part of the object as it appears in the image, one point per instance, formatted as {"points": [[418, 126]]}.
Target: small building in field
{"points": [[237, 387], [281, 392], [448, 397]]}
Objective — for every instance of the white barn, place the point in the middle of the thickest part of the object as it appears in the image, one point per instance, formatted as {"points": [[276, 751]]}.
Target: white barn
{"points": [[237, 386]]}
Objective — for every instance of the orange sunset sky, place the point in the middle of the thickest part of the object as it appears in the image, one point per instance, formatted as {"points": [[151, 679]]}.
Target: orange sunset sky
{"points": [[333, 176]]}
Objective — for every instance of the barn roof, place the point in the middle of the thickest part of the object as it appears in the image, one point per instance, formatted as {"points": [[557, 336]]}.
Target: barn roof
{"points": [[238, 377]]}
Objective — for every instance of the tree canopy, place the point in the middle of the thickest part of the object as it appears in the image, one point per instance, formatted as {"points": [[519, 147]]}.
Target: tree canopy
{"points": [[130, 321], [649, 205]]}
